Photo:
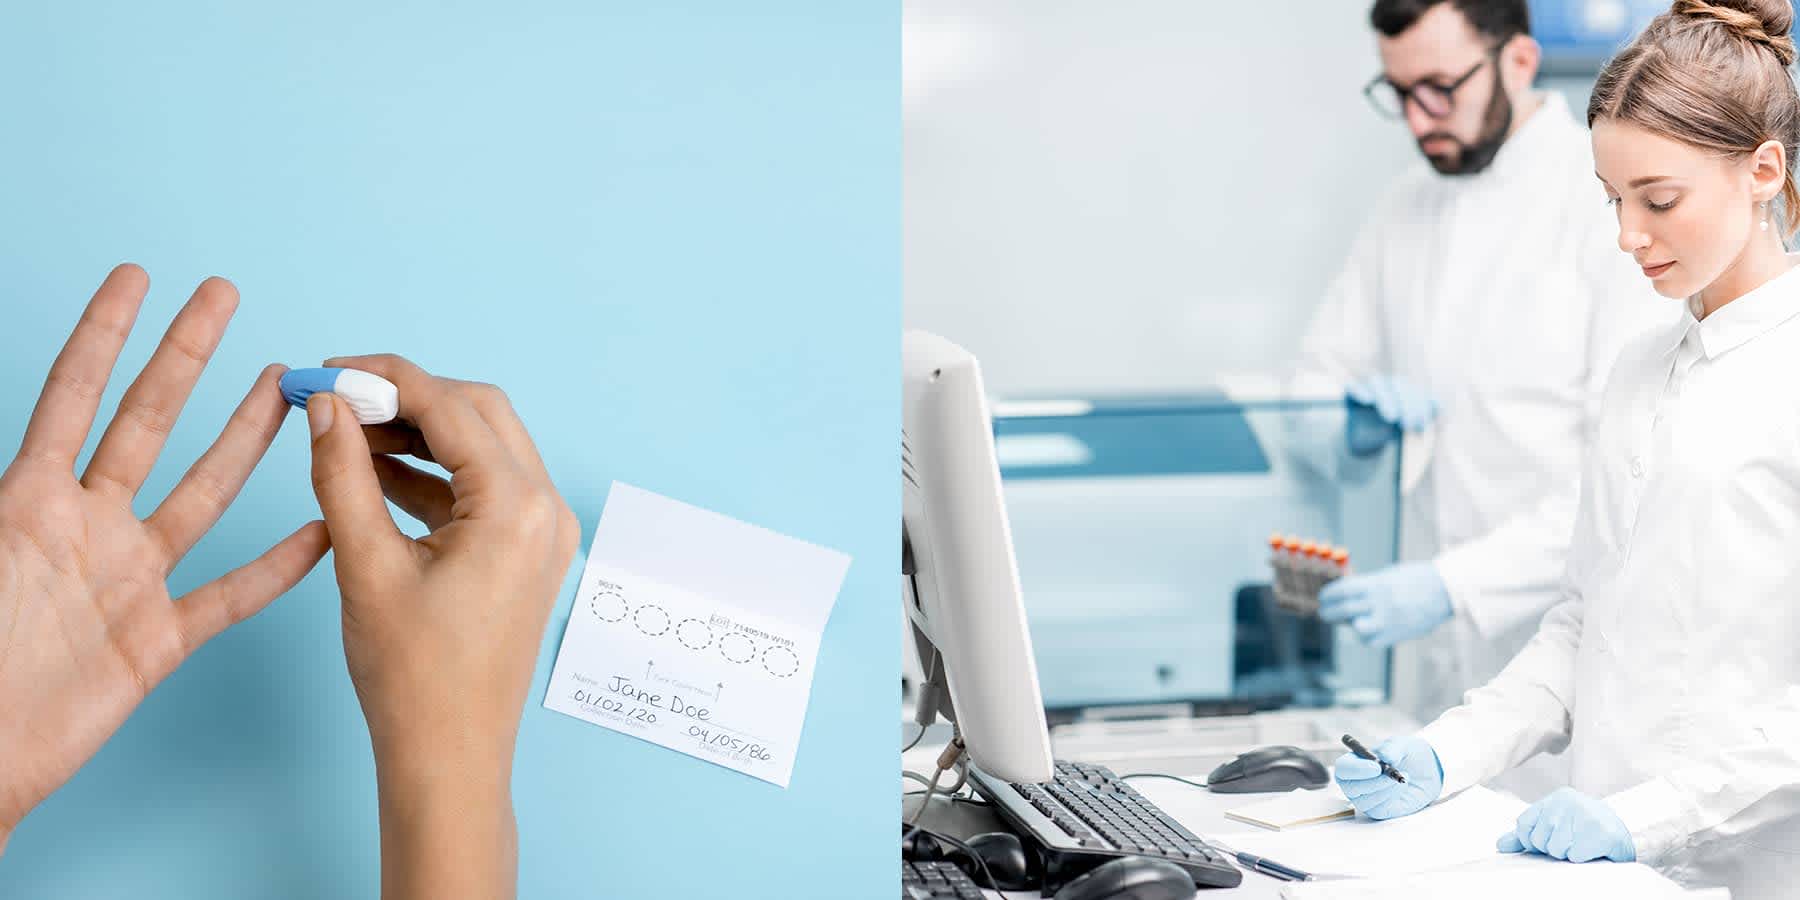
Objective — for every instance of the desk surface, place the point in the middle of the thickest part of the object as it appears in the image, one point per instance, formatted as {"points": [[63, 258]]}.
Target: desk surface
{"points": [[1203, 812]]}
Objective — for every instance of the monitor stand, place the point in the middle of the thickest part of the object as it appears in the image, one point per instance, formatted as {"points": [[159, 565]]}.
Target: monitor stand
{"points": [[948, 817]]}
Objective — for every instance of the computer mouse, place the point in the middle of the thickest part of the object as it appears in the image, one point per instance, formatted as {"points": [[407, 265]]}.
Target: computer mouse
{"points": [[919, 845], [1006, 861], [1130, 878], [1269, 769]]}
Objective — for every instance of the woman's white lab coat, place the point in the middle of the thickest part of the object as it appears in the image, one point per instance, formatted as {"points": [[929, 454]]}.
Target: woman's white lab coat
{"points": [[1671, 665], [1504, 295]]}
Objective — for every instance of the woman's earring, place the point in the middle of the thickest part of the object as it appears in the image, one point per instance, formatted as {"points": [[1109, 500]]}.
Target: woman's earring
{"points": [[1765, 215]]}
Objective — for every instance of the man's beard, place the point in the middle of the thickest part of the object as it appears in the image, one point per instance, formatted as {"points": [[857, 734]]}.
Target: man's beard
{"points": [[1472, 158]]}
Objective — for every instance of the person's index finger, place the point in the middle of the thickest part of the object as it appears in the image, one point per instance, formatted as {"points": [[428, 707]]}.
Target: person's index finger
{"points": [[496, 409], [397, 439], [214, 480], [456, 433], [71, 396]]}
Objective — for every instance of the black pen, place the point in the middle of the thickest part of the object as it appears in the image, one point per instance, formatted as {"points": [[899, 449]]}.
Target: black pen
{"points": [[1357, 748], [1265, 865], [1271, 867]]}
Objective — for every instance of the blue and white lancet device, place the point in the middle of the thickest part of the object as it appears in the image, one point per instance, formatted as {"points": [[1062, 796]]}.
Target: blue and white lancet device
{"points": [[373, 398]]}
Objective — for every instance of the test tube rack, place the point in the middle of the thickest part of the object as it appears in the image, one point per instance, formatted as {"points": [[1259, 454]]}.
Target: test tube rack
{"points": [[1301, 569]]}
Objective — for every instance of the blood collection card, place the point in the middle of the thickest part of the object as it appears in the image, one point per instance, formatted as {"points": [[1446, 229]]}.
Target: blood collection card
{"points": [[697, 632]]}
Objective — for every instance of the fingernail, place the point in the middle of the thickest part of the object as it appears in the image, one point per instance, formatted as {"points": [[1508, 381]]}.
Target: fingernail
{"points": [[318, 413]]}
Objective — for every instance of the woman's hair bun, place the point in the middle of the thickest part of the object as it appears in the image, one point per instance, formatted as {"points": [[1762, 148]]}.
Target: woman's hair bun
{"points": [[1765, 22]]}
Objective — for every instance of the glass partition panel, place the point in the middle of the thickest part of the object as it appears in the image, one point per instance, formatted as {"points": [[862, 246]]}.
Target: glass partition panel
{"points": [[1142, 526]]}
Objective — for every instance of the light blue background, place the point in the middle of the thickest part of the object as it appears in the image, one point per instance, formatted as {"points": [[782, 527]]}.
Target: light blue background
{"points": [[670, 231]]}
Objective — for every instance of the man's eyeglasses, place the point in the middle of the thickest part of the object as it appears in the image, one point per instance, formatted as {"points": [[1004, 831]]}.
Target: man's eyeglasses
{"points": [[1435, 99]]}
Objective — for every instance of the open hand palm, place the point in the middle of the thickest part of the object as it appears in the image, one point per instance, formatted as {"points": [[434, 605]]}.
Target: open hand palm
{"points": [[87, 626]]}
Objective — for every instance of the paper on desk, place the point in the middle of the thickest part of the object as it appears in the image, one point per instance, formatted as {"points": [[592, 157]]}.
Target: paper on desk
{"points": [[1295, 808], [697, 632], [1536, 877], [1455, 831]]}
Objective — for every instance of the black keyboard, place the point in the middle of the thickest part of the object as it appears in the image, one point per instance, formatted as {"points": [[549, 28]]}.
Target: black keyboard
{"points": [[1086, 815], [936, 881]]}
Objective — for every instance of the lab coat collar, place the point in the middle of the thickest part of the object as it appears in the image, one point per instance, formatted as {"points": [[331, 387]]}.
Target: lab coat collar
{"points": [[1771, 303], [1690, 319]]}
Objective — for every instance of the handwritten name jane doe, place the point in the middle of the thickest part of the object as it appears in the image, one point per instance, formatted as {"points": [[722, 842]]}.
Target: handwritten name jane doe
{"points": [[622, 686]]}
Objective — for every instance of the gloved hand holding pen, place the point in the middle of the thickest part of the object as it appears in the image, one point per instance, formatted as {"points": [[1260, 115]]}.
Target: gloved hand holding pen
{"points": [[1378, 796]]}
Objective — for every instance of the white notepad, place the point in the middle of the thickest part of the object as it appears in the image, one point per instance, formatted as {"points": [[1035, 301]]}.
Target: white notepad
{"points": [[1295, 809]]}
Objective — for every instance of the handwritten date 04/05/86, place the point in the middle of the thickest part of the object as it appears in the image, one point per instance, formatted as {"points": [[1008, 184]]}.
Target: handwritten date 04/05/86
{"points": [[738, 746]]}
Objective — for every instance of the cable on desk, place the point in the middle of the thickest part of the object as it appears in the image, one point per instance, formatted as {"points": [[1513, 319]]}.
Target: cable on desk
{"points": [[916, 739], [965, 800], [1188, 781], [962, 776], [930, 791], [952, 755]]}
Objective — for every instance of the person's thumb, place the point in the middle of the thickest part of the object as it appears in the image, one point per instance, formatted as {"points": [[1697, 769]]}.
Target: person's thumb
{"points": [[343, 477]]}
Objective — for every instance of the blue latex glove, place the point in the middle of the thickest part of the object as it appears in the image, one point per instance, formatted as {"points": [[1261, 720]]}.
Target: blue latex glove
{"points": [[1379, 797], [1395, 604], [1399, 401], [1378, 405], [1570, 825]]}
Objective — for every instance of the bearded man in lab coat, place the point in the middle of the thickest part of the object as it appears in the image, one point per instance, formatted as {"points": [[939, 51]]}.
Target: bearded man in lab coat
{"points": [[1483, 302]]}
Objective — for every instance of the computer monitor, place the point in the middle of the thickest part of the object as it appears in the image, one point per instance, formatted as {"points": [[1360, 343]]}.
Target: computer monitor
{"points": [[959, 582]]}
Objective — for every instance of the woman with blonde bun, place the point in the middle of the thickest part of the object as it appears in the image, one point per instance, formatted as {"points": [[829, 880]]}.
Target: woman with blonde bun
{"points": [[1671, 667]]}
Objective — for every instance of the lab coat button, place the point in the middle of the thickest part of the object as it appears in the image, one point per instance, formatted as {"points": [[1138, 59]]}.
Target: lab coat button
{"points": [[1637, 467]]}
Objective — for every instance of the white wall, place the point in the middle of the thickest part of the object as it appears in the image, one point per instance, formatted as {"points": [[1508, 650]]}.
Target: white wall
{"points": [[1136, 194]]}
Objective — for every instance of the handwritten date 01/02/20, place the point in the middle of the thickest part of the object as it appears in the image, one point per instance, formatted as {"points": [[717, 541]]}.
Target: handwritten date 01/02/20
{"points": [[631, 712]]}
